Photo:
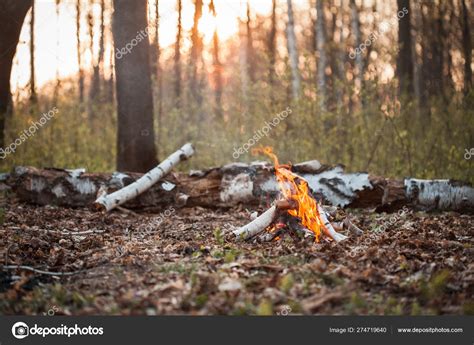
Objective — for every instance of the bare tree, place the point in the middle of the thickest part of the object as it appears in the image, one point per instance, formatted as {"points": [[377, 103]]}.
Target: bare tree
{"points": [[272, 51], [250, 51], [321, 50], [217, 65], [33, 97], [157, 70], [177, 57], [136, 138], [196, 51], [57, 85], [243, 62], [94, 83], [12, 15], [79, 51], [293, 53], [359, 59], [467, 50], [404, 59]]}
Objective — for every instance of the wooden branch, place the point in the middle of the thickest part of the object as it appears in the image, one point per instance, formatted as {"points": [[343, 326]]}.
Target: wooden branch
{"points": [[328, 226], [257, 225], [109, 202], [35, 270]]}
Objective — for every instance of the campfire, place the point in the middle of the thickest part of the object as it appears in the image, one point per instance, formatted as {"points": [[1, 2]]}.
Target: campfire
{"points": [[296, 211]]}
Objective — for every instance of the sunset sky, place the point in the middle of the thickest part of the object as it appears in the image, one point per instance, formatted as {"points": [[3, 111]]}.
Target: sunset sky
{"points": [[55, 39]]}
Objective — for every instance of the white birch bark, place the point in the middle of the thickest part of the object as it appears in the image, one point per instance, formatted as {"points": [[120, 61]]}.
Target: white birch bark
{"points": [[321, 50], [293, 53], [110, 201], [257, 225], [329, 228]]}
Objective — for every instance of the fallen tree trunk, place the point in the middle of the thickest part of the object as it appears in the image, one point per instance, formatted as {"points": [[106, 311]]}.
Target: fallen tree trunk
{"points": [[240, 183], [108, 202]]}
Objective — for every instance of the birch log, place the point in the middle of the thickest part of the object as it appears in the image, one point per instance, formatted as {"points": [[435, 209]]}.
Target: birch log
{"points": [[243, 184], [329, 230], [293, 52], [109, 202], [257, 225]]}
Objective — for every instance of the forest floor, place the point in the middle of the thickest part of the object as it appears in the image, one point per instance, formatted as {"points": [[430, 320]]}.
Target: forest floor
{"points": [[183, 264]]}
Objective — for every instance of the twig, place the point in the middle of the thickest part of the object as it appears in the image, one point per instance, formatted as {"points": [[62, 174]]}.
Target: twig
{"points": [[35, 270], [126, 210], [75, 233]]}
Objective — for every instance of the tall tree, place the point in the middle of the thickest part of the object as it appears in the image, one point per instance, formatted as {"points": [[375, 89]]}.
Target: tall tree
{"points": [[157, 70], [32, 55], [136, 138], [404, 59], [359, 59], [94, 83], [243, 62], [321, 50], [177, 57], [12, 15], [272, 51], [293, 52], [58, 80], [155, 47], [467, 48], [217, 65], [196, 51], [79, 50], [250, 51], [95, 88]]}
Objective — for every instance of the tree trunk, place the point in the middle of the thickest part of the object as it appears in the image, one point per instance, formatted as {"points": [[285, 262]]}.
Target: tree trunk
{"points": [[293, 53], [57, 85], [321, 51], [359, 59], [467, 50], [272, 52], [177, 58], [250, 51], [217, 66], [239, 183], [157, 71], [404, 59], [196, 51], [12, 15], [79, 51], [33, 97], [94, 89], [243, 65], [136, 138]]}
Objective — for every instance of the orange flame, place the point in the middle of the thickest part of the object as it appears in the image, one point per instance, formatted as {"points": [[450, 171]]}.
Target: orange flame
{"points": [[294, 187]]}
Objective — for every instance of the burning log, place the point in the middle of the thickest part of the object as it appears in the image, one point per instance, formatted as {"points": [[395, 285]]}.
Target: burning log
{"points": [[110, 201], [298, 203]]}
